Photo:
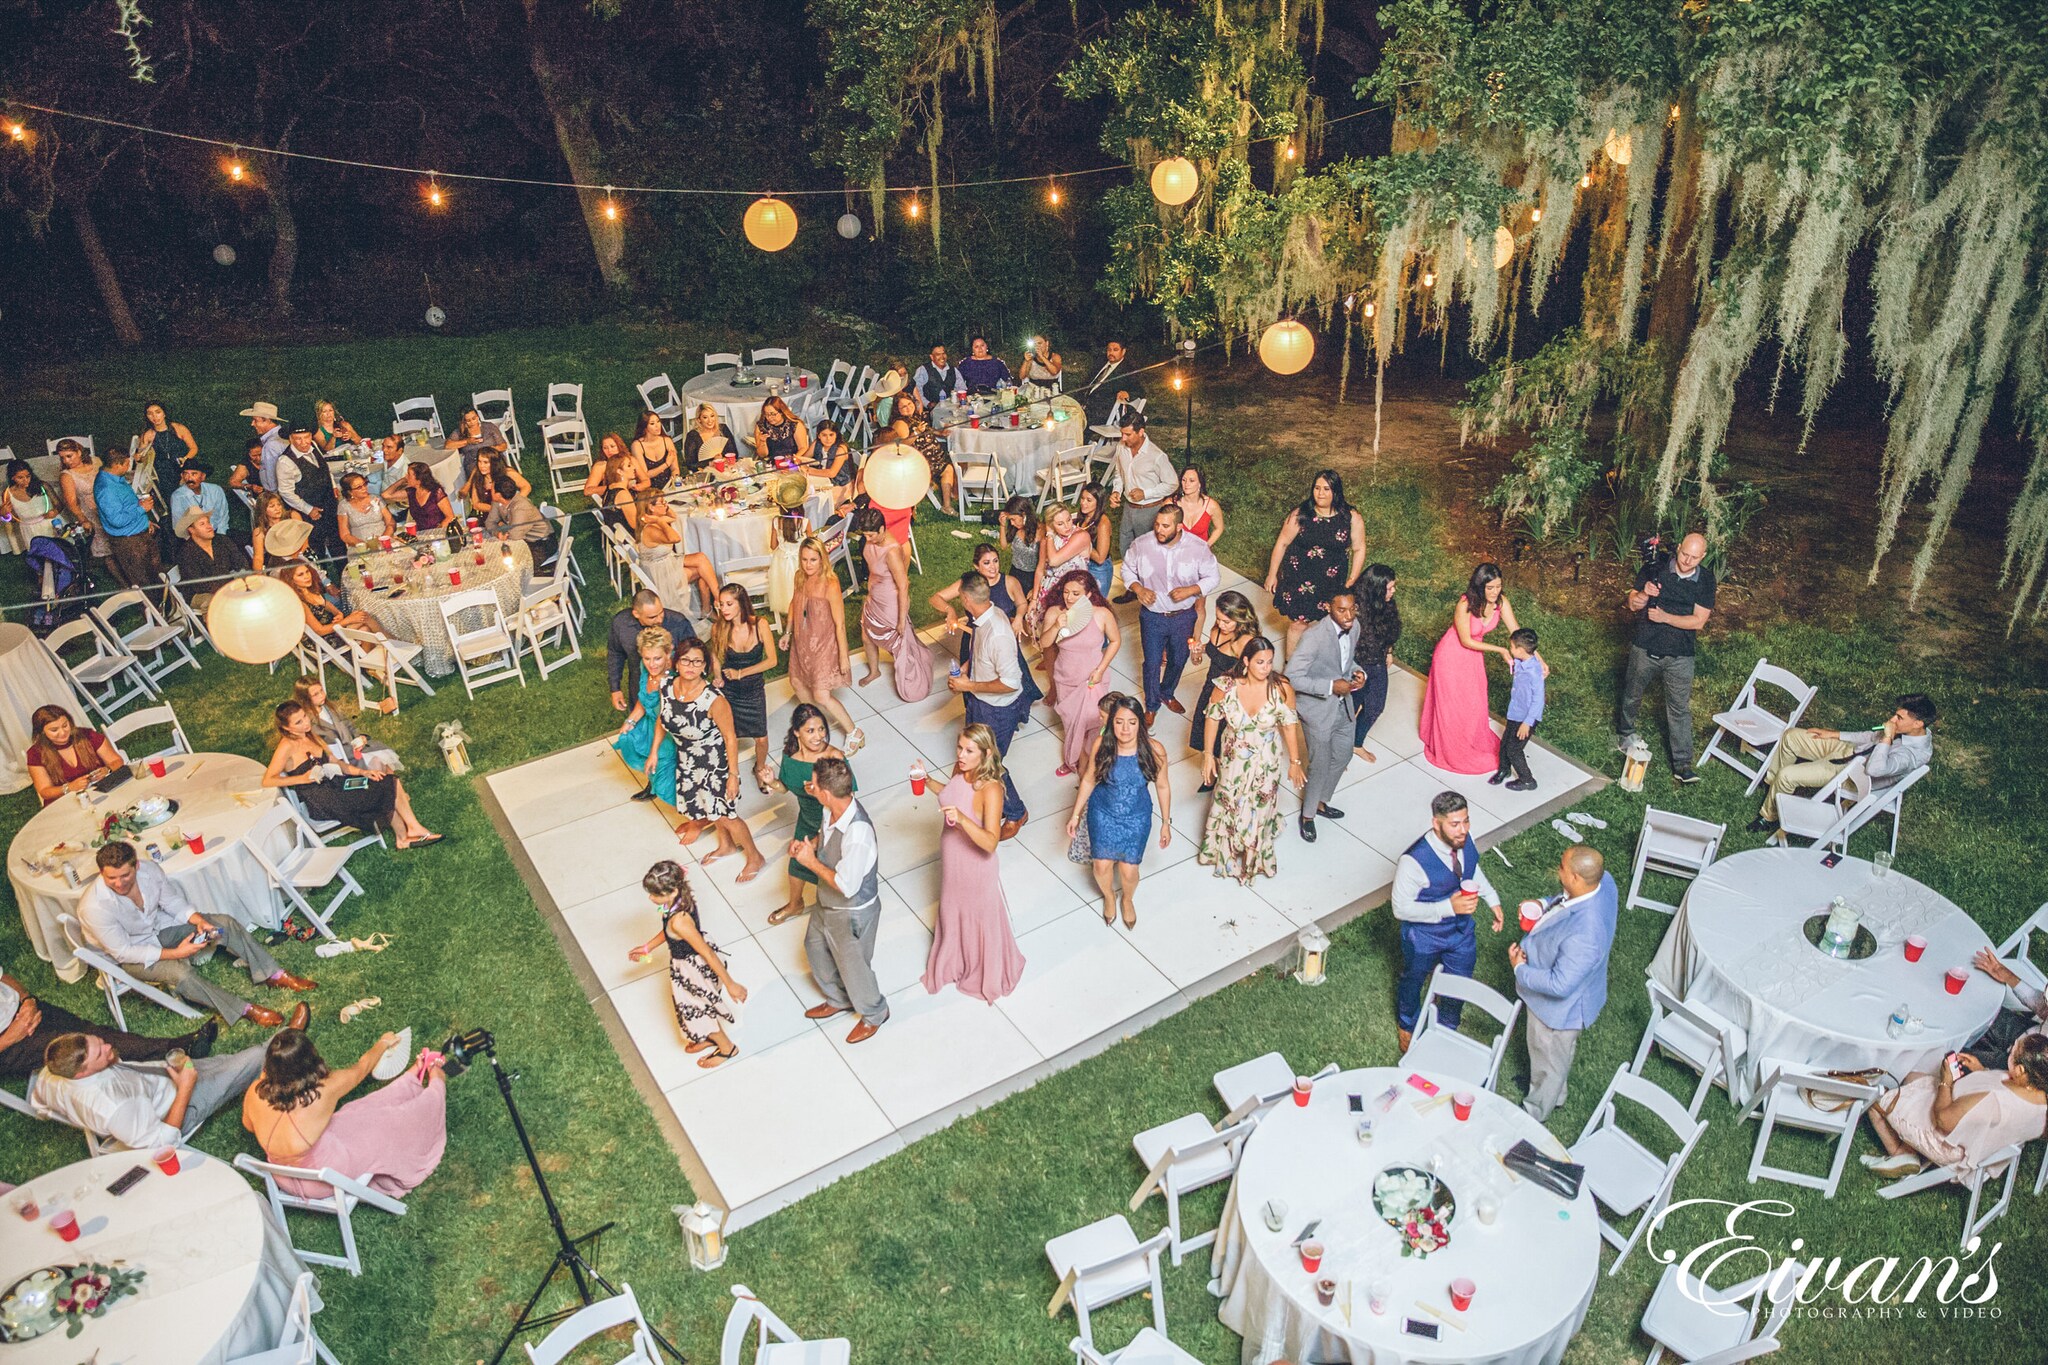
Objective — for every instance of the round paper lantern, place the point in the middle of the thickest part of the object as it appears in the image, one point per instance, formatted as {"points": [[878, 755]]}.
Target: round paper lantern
{"points": [[1620, 147], [1287, 347], [1175, 180], [255, 620], [1503, 247], [435, 317], [770, 224], [849, 225], [896, 476], [223, 254]]}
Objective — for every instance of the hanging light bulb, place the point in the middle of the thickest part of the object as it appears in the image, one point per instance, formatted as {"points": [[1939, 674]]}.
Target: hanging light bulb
{"points": [[1674, 113], [433, 191], [1535, 215], [1429, 279], [1291, 151], [17, 132], [1371, 308], [611, 205], [236, 172], [1178, 382], [916, 205], [1052, 193], [1586, 181]]}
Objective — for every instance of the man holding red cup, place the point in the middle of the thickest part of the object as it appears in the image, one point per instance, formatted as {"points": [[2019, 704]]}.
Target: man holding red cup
{"points": [[1436, 910], [1561, 973]]}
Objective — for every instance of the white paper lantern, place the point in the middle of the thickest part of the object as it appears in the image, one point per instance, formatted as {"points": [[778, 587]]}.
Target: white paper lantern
{"points": [[255, 620], [224, 254], [1175, 180], [770, 224], [435, 317], [1503, 247], [896, 476], [849, 225], [1620, 147], [1287, 347]]}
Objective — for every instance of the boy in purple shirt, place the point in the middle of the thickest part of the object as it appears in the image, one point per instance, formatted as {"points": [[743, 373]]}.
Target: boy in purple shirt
{"points": [[1525, 709]]}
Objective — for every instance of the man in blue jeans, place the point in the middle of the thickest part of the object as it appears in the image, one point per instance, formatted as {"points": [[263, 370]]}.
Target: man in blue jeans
{"points": [[993, 686], [1172, 573], [1436, 912]]}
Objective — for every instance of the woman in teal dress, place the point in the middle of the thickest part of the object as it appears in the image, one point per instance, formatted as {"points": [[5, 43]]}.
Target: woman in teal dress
{"points": [[643, 724], [809, 739]]}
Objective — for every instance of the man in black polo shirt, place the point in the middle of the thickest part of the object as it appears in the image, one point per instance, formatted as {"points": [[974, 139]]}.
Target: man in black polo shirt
{"points": [[1672, 600]]}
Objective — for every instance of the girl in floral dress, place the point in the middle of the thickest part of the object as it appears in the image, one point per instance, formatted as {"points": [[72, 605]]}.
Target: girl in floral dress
{"points": [[1252, 724], [704, 990]]}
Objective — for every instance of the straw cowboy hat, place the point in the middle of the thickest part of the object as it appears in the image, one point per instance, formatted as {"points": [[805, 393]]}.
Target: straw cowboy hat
{"points": [[286, 539], [889, 386], [190, 515], [267, 411], [789, 491]]}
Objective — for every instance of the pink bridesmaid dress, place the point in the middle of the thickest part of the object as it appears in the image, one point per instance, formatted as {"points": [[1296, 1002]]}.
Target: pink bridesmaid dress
{"points": [[1078, 702], [394, 1135], [972, 946], [883, 617], [1456, 735]]}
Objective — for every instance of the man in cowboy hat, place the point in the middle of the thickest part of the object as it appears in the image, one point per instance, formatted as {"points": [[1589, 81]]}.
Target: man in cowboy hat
{"points": [[204, 555], [285, 542], [308, 489], [263, 417], [194, 491]]}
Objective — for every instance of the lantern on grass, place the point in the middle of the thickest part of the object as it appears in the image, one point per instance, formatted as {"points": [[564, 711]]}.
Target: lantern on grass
{"points": [[1175, 180], [1287, 347], [1311, 951], [454, 742], [770, 224], [255, 620], [896, 476], [1635, 765], [703, 1232]]}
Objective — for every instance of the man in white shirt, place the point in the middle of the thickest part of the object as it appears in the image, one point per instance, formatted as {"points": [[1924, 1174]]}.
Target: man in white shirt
{"points": [[1436, 910], [994, 685], [1145, 480], [28, 1026], [138, 1105], [140, 918], [840, 943], [1171, 573]]}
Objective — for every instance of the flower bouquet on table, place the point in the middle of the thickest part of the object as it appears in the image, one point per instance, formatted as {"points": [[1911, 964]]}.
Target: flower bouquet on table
{"points": [[64, 1296], [1416, 1205], [128, 824]]}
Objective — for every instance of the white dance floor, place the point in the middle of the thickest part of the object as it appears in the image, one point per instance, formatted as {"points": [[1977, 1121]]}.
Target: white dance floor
{"points": [[798, 1107]]}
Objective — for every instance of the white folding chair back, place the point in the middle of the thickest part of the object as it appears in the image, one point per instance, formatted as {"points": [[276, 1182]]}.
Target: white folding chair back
{"points": [[1103, 1263], [157, 645], [423, 409], [297, 1342], [485, 650], [181, 605], [565, 442], [386, 659], [665, 401], [837, 378], [1674, 846], [721, 360], [775, 1341], [119, 730], [1799, 1096], [496, 406], [1152, 1347], [766, 355], [108, 677], [1250, 1088], [1439, 1048], [1064, 478], [1834, 813], [606, 1315], [114, 978], [980, 479], [2015, 954], [566, 569], [344, 1194], [306, 865], [564, 400], [2002, 1165], [1749, 725], [1694, 1035], [751, 573], [91, 452], [1624, 1176], [1698, 1321], [1184, 1155], [837, 537], [545, 618]]}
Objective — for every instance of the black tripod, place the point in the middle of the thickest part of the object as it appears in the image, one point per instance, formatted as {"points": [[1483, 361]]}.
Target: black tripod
{"points": [[568, 1250]]}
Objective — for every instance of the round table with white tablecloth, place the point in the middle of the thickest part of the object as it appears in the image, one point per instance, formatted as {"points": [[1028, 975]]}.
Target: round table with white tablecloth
{"points": [[218, 1272], [1535, 1266], [219, 795], [741, 530], [29, 678], [1738, 945], [1023, 449], [406, 600], [739, 402]]}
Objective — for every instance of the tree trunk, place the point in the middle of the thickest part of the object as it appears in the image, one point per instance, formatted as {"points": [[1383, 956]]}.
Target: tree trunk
{"points": [[579, 151], [111, 292], [284, 251]]}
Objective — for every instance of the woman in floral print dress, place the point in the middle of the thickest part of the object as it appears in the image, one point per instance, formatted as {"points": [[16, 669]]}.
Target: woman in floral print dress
{"points": [[1321, 549], [1252, 724]]}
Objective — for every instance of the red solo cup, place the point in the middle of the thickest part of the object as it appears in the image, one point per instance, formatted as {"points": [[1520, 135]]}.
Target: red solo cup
{"points": [[803, 381], [1469, 887], [1462, 1291], [1461, 1105], [974, 422], [1531, 911], [156, 767], [1915, 946], [455, 578], [1302, 1086], [196, 842], [1311, 1256], [917, 781], [64, 1222], [1954, 981], [383, 542], [166, 1159]]}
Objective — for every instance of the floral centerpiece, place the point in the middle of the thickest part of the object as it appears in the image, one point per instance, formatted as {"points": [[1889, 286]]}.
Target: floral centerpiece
{"points": [[1416, 1205], [65, 1296], [130, 823]]}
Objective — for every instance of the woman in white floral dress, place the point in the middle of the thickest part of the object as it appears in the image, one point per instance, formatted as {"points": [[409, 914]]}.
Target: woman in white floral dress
{"points": [[704, 990], [1252, 725], [698, 719]]}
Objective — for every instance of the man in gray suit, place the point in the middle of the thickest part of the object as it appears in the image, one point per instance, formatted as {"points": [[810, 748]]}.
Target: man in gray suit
{"points": [[1326, 673], [840, 943]]}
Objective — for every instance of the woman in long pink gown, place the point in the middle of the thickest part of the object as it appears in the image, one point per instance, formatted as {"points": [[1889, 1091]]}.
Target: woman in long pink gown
{"points": [[972, 946], [1457, 735], [885, 619], [1080, 659], [394, 1135]]}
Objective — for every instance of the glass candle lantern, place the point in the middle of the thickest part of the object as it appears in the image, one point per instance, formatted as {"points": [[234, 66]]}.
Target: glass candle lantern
{"points": [[1635, 765], [704, 1233], [1311, 952]]}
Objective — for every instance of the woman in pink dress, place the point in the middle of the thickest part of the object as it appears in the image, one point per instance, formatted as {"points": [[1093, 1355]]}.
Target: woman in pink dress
{"points": [[393, 1136], [1080, 637], [1962, 1114], [885, 620], [1456, 733], [815, 639], [972, 946]]}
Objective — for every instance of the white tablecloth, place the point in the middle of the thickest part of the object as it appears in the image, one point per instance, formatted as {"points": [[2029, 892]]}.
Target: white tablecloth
{"points": [[416, 616], [744, 533], [218, 795], [219, 1272], [1535, 1267], [1023, 450], [29, 677], [1738, 946], [739, 405]]}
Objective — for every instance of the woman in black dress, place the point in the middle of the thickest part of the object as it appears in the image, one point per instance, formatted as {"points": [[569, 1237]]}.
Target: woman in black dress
{"points": [[708, 439], [1237, 623], [333, 790], [1380, 617], [655, 451], [741, 655], [780, 434], [1321, 548]]}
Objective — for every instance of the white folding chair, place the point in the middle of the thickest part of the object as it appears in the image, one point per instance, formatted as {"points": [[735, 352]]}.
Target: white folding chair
{"points": [[564, 400], [1697, 1321], [565, 442], [91, 452], [181, 606], [1103, 1263], [114, 978], [485, 652], [1257, 1085], [833, 391], [606, 1315], [1750, 726], [979, 478], [119, 730], [418, 410], [327, 828], [2015, 955], [1110, 428], [384, 658], [766, 355], [1065, 477], [1182, 1156], [545, 619], [297, 1342], [664, 401], [1673, 846], [618, 550], [775, 1341], [751, 573], [566, 570], [854, 423], [1802, 1097], [1694, 1035], [151, 641], [838, 541], [307, 864], [344, 1194], [1439, 1048], [2002, 1164], [1848, 803], [721, 360], [1624, 1175], [495, 406], [1149, 1347], [108, 677], [315, 652]]}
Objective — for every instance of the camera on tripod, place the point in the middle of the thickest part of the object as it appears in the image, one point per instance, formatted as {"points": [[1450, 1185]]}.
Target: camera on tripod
{"points": [[462, 1049]]}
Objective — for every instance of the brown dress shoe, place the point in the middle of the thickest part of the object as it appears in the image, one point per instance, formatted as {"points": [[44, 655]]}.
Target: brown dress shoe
{"points": [[285, 981], [1404, 1036], [300, 1015], [1173, 705], [824, 1011], [1009, 828], [1151, 718], [262, 1016], [863, 1031]]}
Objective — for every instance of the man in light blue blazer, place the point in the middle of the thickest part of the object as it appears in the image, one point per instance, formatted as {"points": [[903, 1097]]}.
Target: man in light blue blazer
{"points": [[1561, 973]]}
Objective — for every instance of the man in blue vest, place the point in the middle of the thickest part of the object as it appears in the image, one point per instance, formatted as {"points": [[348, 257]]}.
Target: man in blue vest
{"points": [[1561, 973], [1436, 909]]}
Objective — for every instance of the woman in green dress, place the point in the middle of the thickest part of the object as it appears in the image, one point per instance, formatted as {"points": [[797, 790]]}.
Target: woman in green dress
{"points": [[809, 739], [642, 744]]}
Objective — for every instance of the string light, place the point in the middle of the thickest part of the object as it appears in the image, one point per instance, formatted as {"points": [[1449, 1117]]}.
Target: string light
{"points": [[1052, 193], [1428, 279], [433, 190], [1290, 151], [235, 168], [1586, 181], [1178, 382], [17, 132], [916, 205], [1371, 308], [1535, 215], [611, 205]]}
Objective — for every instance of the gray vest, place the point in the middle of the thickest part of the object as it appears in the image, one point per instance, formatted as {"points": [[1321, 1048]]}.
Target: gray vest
{"points": [[870, 888]]}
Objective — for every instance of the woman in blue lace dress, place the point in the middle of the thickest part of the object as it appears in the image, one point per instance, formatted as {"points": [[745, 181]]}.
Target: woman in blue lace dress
{"points": [[1116, 795]]}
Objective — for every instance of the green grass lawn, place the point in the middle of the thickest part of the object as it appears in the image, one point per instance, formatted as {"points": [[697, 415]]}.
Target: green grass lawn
{"points": [[935, 1254]]}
